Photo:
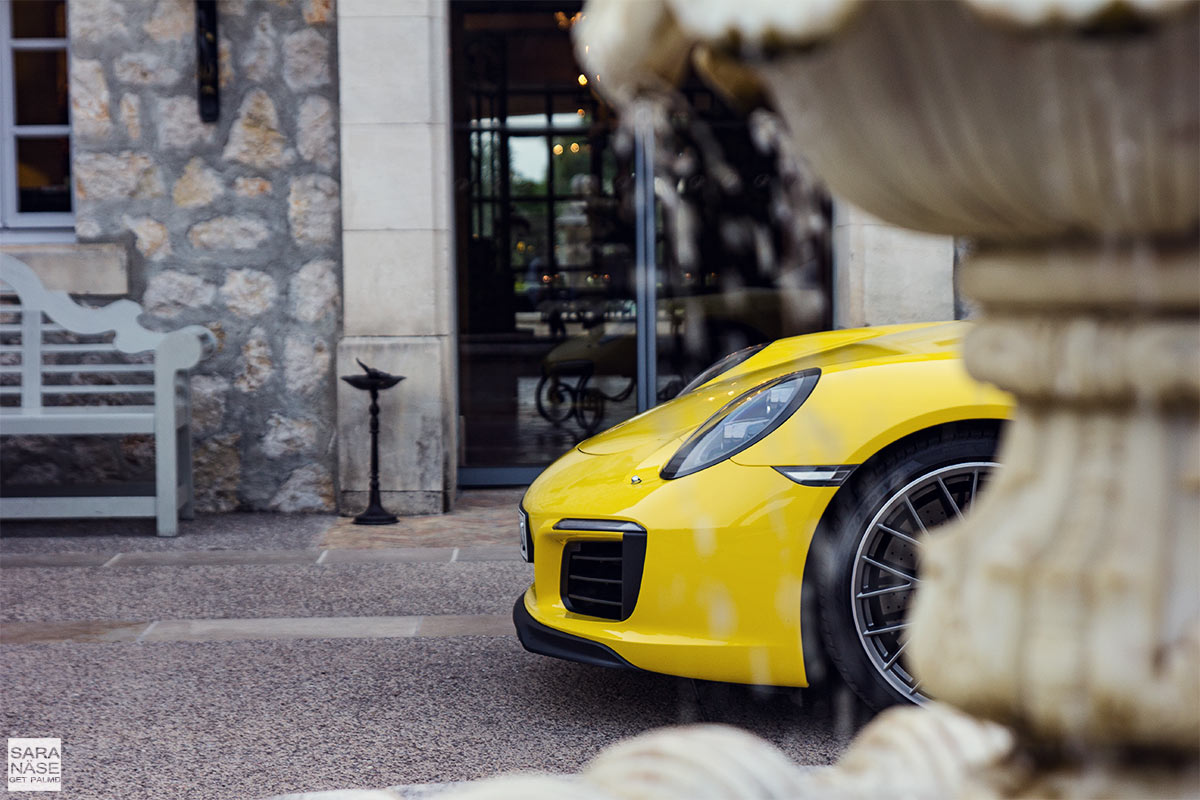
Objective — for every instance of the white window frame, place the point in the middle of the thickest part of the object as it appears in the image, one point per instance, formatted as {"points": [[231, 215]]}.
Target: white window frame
{"points": [[11, 219]]}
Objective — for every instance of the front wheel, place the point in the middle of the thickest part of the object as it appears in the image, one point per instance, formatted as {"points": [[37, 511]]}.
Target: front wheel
{"points": [[868, 570]]}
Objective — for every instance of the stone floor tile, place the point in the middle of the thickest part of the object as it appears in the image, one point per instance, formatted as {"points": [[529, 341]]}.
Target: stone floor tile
{"points": [[467, 625], [491, 552], [190, 558], [480, 518], [86, 631], [507, 499], [226, 630], [384, 555], [55, 559]]}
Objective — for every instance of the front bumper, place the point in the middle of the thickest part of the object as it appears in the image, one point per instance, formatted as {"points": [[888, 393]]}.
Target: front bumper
{"points": [[546, 641], [719, 595]]}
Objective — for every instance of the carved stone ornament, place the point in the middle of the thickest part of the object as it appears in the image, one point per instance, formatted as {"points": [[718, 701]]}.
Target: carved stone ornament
{"points": [[1064, 136]]}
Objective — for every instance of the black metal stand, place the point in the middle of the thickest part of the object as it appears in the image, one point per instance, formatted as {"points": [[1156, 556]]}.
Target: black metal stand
{"points": [[375, 513], [372, 382]]}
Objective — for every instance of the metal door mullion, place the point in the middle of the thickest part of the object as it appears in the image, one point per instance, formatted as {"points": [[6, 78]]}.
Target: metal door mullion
{"points": [[548, 140], [647, 301], [38, 45], [40, 131]]}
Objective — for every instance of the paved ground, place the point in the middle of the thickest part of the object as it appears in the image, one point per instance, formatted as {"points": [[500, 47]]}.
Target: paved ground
{"points": [[264, 654]]}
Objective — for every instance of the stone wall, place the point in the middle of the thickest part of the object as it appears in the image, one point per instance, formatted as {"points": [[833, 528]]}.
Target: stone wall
{"points": [[233, 225], [886, 275]]}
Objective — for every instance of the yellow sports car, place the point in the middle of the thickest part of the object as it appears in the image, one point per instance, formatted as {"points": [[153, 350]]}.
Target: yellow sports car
{"points": [[784, 492]]}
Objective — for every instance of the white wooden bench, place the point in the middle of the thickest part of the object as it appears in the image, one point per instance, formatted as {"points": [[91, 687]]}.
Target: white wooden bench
{"points": [[67, 370]]}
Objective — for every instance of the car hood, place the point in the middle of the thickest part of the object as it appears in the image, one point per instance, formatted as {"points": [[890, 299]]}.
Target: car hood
{"points": [[642, 435]]}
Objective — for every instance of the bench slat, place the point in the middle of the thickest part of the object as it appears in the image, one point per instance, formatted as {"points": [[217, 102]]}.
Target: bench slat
{"points": [[96, 347], [76, 507], [69, 421], [47, 327], [68, 369], [128, 388]]}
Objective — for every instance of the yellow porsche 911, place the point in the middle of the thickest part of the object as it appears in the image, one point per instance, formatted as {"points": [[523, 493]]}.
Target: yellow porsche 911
{"points": [[784, 492]]}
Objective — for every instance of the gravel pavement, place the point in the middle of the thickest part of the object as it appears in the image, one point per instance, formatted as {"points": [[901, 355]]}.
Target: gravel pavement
{"points": [[258, 655]]}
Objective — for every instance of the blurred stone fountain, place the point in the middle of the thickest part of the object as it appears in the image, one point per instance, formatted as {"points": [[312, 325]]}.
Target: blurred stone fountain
{"points": [[1059, 625]]}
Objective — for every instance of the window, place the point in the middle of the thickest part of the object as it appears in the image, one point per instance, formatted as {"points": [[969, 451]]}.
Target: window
{"points": [[35, 130]]}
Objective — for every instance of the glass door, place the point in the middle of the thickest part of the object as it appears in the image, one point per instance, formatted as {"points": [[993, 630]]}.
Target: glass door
{"points": [[574, 310], [545, 245]]}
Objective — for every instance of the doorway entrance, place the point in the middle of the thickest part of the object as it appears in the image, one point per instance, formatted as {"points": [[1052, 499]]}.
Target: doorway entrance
{"points": [[575, 310]]}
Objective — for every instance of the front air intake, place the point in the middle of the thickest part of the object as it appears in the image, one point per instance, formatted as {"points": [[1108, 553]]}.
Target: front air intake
{"points": [[603, 578]]}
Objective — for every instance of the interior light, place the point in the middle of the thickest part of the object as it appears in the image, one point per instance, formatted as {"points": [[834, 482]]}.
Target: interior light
{"points": [[558, 150], [581, 112], [574, 147], [583, 79]]}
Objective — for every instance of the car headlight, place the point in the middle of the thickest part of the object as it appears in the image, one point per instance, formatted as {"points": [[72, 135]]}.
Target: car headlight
{"points": [[741, 423]]}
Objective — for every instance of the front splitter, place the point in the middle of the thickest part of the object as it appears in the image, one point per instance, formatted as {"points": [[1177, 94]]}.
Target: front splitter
{"points": [[546, 641]]}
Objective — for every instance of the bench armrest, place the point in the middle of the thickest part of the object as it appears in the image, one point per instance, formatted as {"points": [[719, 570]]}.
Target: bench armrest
{"points": [[183, 349]]}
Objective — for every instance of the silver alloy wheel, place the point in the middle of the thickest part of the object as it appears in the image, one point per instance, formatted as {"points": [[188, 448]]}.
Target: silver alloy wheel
{"points": [[885, 565]]}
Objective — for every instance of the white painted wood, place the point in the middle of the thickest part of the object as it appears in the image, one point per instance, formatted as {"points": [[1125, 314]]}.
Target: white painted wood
{"points": [[76, 421], [76, 507], [168, 418], [48, 369], [31, 357], [82, 390]]}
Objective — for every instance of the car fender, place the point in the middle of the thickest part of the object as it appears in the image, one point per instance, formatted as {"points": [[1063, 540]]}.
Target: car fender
{"points": [[854, 413]]}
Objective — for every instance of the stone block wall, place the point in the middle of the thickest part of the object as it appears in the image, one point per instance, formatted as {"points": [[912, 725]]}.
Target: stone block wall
{"points": [[234, 225], [886, 275]]}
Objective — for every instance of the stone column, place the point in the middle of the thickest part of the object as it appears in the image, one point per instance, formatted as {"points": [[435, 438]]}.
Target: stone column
{"points": [[395, 134], [1065, 606], [1068, 607], [883, 274]]}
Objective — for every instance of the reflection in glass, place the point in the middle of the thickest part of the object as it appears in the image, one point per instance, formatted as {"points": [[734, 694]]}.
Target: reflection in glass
{"points": [[485, 157], [521, 122], [548, 335], [572, 166], [39, 19], [531, 242], [44, 174], [530, 164], [581, 118], [40, 78]]}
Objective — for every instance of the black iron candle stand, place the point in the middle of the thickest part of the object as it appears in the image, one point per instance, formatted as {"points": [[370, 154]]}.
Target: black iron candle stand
{"points": [[374, 381]]}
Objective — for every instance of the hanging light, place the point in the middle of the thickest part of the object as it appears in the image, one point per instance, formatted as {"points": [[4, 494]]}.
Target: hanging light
{"points": [[565, 22]]}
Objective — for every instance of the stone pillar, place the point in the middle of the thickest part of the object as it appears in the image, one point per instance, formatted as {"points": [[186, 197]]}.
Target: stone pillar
{"points": [[883, 274], [398, 288], [1067, 607]]}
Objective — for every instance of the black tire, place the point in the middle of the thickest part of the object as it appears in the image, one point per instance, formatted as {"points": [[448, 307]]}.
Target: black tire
{"points": [[867, 542], [555, 398]]}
